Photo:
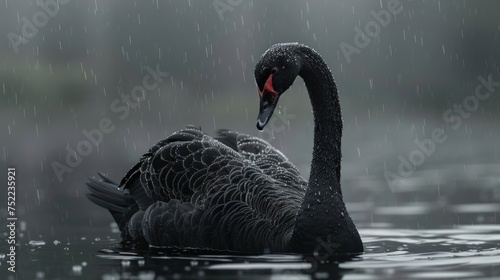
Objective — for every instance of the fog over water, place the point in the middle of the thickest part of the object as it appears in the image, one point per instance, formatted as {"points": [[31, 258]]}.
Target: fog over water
{"points": [[89, 86]]}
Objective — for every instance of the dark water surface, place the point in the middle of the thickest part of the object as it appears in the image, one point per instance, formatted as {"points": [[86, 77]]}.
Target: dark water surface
{"points": [[437, 237], [433, 65], [391, 253]]}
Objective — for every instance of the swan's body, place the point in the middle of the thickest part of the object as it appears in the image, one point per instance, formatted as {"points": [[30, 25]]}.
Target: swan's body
{"points": [[235, 192]]}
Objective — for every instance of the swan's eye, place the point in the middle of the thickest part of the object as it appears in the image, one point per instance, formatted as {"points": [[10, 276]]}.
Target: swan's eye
{"points": [[274, 70]]}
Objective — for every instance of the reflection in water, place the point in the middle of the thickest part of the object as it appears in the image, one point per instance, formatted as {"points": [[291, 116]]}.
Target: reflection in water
{"points": [[391, 253], [442, 254], [414, 233]]}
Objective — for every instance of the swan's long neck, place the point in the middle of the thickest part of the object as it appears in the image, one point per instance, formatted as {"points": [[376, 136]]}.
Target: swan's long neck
{"points": [[323, 216], [327, 122]]}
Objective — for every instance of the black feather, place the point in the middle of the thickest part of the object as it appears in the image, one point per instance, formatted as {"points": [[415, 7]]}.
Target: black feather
{"points": [[236, 192]]}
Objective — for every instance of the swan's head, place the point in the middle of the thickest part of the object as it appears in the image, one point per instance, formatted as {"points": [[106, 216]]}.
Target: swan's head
{"points": [[275, 73]]}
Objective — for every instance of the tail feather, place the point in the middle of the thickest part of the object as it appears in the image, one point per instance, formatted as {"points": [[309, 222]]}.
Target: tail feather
{"points": [[121, 202], [105, 193], [108, 195], [107, 179]]}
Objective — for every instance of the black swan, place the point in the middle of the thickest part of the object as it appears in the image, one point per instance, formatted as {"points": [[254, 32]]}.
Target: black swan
{"points": [[235, 192]]}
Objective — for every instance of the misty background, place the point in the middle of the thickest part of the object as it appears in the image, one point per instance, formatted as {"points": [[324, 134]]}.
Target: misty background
{"points": [[66, 76]]}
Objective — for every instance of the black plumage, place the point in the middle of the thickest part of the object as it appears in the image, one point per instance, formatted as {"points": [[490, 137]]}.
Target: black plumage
{"points": [[235, 192]]}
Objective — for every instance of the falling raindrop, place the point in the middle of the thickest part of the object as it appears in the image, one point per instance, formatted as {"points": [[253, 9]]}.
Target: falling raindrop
{"points": [[77, 269], [36, 243]]}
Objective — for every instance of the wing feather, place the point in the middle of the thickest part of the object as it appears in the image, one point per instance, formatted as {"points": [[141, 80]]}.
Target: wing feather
{"points": [[231, 192]]}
